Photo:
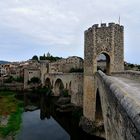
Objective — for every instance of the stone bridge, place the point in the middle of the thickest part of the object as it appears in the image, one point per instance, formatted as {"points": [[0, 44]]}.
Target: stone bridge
{"points": [[116, 110], [72, 82], [111, 101]]}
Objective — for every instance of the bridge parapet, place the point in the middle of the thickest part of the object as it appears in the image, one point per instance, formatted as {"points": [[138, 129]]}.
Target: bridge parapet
{"points": [[128, 74], [121, 112]]}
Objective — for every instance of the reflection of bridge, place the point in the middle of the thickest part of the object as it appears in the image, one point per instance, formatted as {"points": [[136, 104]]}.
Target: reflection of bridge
{"points": [[111, 104]]}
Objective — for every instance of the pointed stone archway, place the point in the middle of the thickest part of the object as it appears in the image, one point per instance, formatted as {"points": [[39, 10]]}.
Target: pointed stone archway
{"points": [[58, 87]]}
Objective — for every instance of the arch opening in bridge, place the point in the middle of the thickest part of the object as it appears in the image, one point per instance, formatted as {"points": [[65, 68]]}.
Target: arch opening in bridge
{"points": [[99, 121], [48, 83], [103, 63], [58, 87], [52, 83], [66, 85]]}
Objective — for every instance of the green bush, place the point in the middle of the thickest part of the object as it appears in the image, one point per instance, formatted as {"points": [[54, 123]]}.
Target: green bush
{"points": [[19, 79], [13, 123], [51, 58], [35, 57], [65, 93], [12, 107], [34, 80], [9, 79], [6, 93], [72, 70]]}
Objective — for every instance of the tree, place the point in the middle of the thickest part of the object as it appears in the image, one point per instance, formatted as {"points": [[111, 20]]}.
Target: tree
{"points": [[9, 79], [51, 58], [19, 79], [35, 57], [73, 70], [138, 67], [34, 80], [43, 57]]}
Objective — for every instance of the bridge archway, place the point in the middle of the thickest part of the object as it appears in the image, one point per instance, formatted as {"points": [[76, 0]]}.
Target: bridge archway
{"points": [[98, 112], [58, 87], [99, 120], [103, 63], [48, 83]]}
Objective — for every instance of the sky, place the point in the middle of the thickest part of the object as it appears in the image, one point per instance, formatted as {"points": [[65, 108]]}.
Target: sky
{"points": [[35, 27]]}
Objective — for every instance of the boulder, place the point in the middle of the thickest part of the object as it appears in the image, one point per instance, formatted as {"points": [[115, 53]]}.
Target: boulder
{"points": [[63, 100]]}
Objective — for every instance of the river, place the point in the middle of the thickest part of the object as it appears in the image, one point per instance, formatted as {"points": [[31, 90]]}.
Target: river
{"points": [[46, 123]]}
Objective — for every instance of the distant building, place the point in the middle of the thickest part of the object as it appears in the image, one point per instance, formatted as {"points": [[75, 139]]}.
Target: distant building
{"points": [[2, 70], [32, 68], [29, 73], [65, 65]]}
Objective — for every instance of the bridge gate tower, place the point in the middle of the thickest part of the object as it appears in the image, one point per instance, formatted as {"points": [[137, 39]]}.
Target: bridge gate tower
{"points": [[107, 40]]}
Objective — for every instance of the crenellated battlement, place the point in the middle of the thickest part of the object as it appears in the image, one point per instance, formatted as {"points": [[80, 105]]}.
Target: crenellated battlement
{"points": [[105, 25]]}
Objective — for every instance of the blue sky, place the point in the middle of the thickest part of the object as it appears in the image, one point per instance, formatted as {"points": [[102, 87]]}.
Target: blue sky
{"points": [[35, 27]]}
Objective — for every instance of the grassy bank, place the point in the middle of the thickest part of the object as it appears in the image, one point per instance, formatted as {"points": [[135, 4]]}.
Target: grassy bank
{"points": [[10, 109]]}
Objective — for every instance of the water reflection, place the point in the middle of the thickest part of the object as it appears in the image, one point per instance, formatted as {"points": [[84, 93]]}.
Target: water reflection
{"points": [[45, 107], [33, 128], [48, 124]]}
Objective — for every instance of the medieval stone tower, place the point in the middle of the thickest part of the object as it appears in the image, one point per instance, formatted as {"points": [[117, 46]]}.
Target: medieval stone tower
{"points": [[107, 40]]}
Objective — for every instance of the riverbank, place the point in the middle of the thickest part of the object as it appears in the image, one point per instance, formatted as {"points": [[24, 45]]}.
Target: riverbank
{"points": [[10, 115]]}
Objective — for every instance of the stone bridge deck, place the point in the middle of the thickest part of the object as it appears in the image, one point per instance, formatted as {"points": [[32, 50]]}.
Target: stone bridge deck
{"points": [[130, 87]]}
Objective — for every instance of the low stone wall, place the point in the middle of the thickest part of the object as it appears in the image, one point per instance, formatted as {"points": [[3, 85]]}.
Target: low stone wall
{"points": [[12, 86], [128, 74], [121, 114]]}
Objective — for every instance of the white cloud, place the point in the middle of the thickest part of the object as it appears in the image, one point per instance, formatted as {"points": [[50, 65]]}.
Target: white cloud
{"points": [[44, 22], [62, 23]]}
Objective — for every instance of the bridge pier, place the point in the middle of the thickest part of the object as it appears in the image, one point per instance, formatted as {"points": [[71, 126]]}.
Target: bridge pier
{"points": [[92, 121], [89, 97]]}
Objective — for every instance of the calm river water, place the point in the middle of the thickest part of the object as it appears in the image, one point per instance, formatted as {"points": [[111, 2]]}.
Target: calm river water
{"points": [[47, 124]]}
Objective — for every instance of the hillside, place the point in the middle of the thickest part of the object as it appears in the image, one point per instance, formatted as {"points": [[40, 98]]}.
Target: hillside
{"points": [[3, 62]]}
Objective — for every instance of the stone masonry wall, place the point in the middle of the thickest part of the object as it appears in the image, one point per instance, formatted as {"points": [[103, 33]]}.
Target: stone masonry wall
{"points": [[28, 74], [65, 65], [73, 82], [88, 96], [109, 41], [118, 48], [120, 113]]}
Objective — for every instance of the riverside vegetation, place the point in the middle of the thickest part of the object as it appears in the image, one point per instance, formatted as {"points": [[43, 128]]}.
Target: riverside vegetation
{"points": [[10, 114]]}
